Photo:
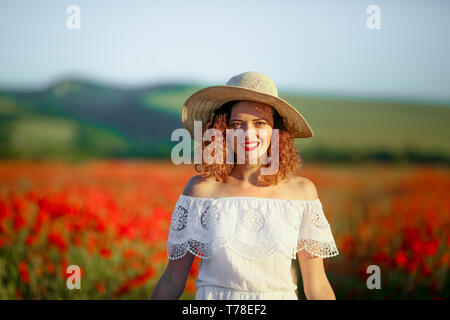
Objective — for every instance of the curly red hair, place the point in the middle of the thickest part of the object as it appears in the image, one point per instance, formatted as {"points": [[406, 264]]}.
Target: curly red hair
{"points": [[289, 158]]}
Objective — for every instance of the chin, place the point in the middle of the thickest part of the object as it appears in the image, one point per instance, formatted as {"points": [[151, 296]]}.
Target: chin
{"points": [[258, 155]]}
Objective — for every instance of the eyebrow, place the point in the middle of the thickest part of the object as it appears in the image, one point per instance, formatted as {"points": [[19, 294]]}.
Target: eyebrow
{"points": [[252, 120]]}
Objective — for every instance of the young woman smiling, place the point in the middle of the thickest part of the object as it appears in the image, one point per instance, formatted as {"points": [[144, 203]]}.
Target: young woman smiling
{"points": [[248, 227]]}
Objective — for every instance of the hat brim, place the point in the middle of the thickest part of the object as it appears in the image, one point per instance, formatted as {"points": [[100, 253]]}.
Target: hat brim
{"points": [[200, 105]]}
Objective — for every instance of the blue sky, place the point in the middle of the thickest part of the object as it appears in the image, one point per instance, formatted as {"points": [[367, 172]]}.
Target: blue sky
{"points": [[311, 47]]}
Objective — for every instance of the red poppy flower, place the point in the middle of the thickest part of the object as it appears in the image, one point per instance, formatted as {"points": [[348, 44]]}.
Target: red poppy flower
{"points": [[401, 259], [105, 253], [23, 270], [425, 270], [19, 222], [381, 257], [57, 240], [431, 247]]}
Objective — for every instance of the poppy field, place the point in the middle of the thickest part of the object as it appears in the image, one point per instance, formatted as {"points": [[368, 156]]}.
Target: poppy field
{"points": [[111, 218]]}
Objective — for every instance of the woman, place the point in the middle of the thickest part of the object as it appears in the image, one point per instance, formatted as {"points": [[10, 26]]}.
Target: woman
{"points": [[248, 226]]}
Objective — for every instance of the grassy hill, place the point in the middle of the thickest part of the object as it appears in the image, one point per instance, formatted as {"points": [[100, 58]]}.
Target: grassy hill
{"points": [[354, 128], [75, 119], [388, 129]]}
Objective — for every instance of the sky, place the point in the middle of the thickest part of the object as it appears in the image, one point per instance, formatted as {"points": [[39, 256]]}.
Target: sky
{"points": [[306, 46]]}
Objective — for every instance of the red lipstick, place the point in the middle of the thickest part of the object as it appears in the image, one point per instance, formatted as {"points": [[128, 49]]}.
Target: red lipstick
{"points": [[251, 145]]}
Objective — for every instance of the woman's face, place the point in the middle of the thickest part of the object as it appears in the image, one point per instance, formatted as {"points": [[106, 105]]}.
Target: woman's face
{"points": [[256, 121]]}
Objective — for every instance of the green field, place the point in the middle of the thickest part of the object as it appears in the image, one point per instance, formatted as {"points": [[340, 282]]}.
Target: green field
{"points": [[354, 125], [91, 120]]}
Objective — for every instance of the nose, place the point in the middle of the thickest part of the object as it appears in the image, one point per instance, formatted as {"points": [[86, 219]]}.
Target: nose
{"points": [[251, 135], [250, 132]]}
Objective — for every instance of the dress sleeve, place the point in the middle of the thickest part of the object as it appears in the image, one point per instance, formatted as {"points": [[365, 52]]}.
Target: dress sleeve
{"points": [[315, 234], [185, 234], [176, 246]]}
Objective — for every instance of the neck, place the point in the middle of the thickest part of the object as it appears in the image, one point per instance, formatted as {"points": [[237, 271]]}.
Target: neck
{"points": [[247, 174]]}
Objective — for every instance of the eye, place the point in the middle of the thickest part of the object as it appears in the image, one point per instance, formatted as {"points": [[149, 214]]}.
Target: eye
{"points": [[235, 125], [260, 123]]}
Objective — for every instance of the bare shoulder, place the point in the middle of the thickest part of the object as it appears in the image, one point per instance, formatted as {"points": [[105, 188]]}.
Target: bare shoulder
{"points": [[200, 187], [303, 188]]}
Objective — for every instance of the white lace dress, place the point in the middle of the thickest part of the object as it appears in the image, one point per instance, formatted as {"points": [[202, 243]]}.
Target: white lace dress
{"points": [[247, 243]]}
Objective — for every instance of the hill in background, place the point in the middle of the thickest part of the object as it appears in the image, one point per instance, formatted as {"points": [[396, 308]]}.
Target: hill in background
{"points": [[75, 119]]}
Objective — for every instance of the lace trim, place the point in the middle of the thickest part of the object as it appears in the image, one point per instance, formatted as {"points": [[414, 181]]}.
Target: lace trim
{"points": [[251, 227], [206, 251], [317, 248]]}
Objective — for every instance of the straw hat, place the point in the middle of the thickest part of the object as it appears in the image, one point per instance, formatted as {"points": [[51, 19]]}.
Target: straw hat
{"points": [[251, 86]]}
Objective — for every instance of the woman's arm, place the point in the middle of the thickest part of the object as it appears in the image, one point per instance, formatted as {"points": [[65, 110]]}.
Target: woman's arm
{"points": [[315, 281], [172, 282]]}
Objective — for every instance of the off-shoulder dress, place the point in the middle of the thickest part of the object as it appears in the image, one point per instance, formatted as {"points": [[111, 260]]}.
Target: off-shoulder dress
{"points": [[246, 243]]}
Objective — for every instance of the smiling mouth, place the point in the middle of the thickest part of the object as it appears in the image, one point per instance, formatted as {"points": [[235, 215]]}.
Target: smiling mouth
{"points": [[249, 146]]}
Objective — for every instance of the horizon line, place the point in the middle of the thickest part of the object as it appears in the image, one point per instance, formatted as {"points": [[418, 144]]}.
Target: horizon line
{"points": [[287, 91]]}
